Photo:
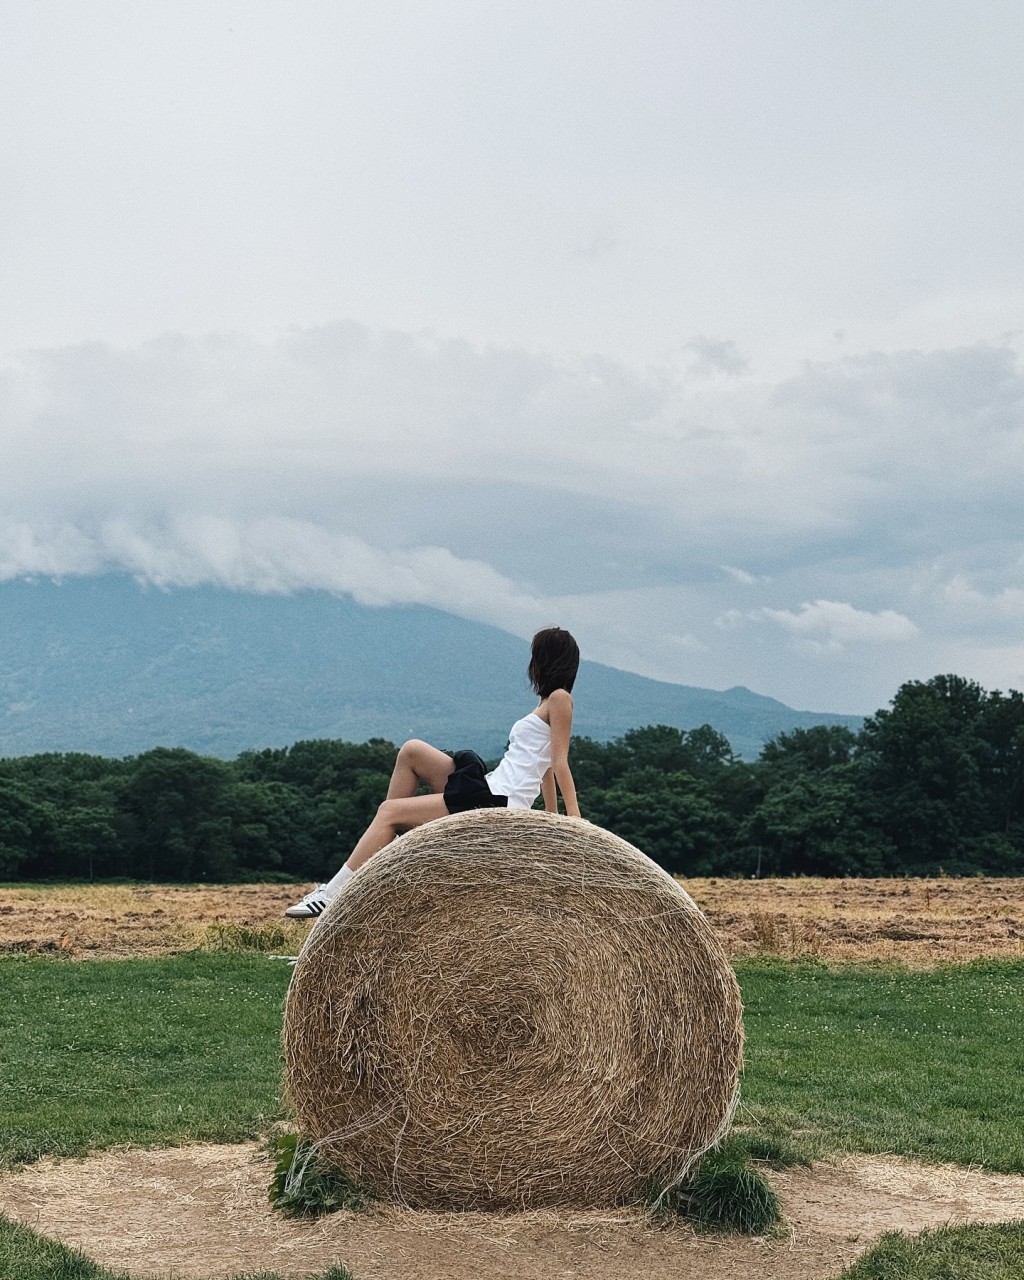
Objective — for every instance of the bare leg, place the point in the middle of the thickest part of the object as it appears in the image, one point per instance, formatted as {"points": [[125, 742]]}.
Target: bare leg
{"points": [[418, 762], [392, 816]]}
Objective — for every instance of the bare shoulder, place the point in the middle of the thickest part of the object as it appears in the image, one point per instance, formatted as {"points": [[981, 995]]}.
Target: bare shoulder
{"points": [[560, 702]]}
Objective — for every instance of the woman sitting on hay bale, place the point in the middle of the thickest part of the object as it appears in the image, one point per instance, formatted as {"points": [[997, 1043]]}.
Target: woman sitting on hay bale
{"points": [[535, 763]]}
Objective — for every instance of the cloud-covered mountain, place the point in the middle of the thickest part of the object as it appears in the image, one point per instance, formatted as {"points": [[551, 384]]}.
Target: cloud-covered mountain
{"points": [[824, 536], [103, 665]]}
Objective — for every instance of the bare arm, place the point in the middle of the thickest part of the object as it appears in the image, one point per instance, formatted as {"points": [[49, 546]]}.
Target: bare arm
{"points": [[547, 790], [560, 719]]}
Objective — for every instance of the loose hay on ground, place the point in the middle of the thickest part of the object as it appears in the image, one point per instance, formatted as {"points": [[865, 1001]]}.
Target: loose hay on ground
{"points": [[509, 1009], [202, 1211], [840, 921]]}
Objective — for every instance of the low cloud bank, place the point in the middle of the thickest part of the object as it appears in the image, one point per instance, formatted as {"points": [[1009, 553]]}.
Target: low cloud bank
{"points": [[274, 555], [866, 504]]}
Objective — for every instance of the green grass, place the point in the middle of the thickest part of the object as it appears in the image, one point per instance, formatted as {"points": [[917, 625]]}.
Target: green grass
{"points": [[304, 1187], [24, 1255], [772, 1150], [924, 1065], [727, 1196], [972, 1252], [725, 1193], [186, 1048], [165, 1051]]}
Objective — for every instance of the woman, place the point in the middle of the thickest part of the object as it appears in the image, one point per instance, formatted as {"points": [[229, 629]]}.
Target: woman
{"points": [[536, 763]]}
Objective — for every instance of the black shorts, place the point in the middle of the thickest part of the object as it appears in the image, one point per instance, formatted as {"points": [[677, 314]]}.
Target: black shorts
{"points": [[467, 787]]}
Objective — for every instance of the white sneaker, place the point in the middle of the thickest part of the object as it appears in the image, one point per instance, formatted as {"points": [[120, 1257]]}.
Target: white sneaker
{"points": [[313, 904]]}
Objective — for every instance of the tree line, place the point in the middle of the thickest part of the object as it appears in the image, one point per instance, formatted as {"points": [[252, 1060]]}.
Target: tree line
{"points": [[932, 785]]}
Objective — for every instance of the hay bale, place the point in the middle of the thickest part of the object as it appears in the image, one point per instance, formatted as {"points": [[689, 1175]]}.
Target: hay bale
{"points": [[512, 1009]]}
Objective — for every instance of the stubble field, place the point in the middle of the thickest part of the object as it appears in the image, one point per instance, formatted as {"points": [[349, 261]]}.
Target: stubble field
{"points": [[918, 923]]}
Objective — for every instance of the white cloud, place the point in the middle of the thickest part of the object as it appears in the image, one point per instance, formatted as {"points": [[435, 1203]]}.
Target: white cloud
{"points": [[511, 486], [29, 550], [960, 593], [273, 555], [491, 172], [837, 624], [857, 451]]}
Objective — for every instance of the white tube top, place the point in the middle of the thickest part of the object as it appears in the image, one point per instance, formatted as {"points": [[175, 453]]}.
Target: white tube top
{"points": [[524, 764]]}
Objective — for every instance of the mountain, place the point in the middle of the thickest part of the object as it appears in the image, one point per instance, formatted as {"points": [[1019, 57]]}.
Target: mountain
{"points": [[106, 666]]}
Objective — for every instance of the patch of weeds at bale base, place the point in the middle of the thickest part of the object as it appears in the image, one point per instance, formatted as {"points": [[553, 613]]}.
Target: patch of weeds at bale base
{"points": [[725, 1193], [974, 1251], [302, 1187], [26, 1255], [733, 1197]]}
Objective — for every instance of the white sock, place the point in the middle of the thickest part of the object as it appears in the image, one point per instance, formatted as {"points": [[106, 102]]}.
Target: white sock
{"points": [[338, 882]]}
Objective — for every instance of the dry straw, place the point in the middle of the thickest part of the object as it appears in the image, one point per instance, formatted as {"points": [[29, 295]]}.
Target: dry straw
{"points": [[512, 1009]]}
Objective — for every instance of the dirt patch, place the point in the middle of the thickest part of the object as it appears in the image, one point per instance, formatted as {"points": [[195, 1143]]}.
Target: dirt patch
{"points": [[920, 923], [202, 1212]]}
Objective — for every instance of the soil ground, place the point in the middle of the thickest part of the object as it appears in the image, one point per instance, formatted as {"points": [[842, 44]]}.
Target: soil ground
{"points": [[202, 1211], [915, 922]]}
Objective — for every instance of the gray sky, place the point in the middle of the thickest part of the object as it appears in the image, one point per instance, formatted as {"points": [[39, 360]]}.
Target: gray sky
{"points": [[693, 326]]}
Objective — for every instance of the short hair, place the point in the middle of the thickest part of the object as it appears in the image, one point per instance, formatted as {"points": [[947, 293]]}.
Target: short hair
{"points": [[554, 661]]}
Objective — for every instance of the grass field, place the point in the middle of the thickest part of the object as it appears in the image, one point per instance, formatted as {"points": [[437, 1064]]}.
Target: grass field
{"points": [[919, 1063], [186, 1048], [137, 1051], [970, 1252]]}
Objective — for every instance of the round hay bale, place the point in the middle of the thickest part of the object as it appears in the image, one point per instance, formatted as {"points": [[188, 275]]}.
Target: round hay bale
{"points": [[508, 1008]]}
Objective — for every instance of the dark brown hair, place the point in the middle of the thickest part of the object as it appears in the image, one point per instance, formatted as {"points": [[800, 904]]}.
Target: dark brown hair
{"points": [[554, 661]]}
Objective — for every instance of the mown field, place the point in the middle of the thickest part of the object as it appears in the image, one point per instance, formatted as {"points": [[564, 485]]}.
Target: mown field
{"points": [[920, 923], [134, 1016]]}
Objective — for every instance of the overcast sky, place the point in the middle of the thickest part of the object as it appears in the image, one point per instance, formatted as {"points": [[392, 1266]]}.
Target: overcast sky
{"points": [[695, 327]]}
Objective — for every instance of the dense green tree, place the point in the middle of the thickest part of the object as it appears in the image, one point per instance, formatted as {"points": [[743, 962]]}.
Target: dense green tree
{"points": [[271, 830], [1003, 770], [659, 746], [79, 793], [27, 830], [924, 763], [316, 766], [671, 817], [813, 824], [88, 844], [934, 781], [179, 805], [708, 751], [593, 766], [810, 750]]}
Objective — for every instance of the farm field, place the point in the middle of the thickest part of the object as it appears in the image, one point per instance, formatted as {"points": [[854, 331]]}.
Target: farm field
{"points": [[155, 1050], [919, 923]]}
